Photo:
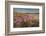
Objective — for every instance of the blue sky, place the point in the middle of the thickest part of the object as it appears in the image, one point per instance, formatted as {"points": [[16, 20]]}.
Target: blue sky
{"points": [[26, 10]]}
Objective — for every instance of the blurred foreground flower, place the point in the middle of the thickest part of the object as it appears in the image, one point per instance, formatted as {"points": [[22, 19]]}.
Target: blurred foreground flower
{"points": [[18, 20]]}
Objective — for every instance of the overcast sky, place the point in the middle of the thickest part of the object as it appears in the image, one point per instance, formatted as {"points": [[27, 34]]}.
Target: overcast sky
{"points": [[26, 10]]}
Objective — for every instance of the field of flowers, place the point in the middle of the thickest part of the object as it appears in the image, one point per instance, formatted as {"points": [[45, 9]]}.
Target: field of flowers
{"points": [[26, 20]]}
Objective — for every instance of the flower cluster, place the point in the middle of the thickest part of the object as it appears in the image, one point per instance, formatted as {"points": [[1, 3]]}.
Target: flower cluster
{"points": [[20, 19], [25, 21]]}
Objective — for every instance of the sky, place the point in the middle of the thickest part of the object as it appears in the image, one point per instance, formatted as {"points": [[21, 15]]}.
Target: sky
{"points": [[26, 10]]}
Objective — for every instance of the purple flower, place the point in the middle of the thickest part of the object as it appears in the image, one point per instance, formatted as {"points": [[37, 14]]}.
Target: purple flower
{"points": [[27, 17], [18, 20]]}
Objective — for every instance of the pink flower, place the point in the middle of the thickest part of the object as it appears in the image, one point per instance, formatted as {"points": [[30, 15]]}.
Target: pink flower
{"points": [[25, 18], [29, 17], [18, 20]]}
